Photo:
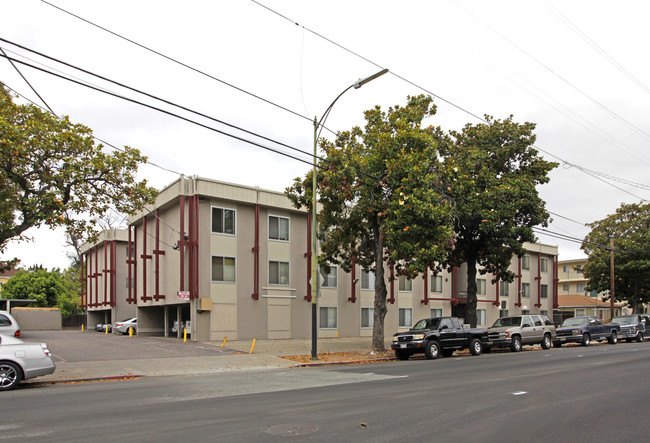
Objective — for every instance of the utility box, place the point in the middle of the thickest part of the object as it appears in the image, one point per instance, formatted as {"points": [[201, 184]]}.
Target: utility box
{"points": [[205, 304]]}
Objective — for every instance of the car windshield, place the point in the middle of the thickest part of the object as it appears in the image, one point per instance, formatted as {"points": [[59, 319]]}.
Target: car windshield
{"points": [[507, 322], [624, 320], [575, 321], [128, 320], [427, 323]]}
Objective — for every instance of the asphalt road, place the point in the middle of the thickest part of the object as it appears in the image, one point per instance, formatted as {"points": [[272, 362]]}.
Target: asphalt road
{"points": [[573, 394]]}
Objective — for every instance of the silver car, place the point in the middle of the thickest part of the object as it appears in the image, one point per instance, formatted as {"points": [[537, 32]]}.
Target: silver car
{"points": [[9, 325], [21, 361], [124, 325]]}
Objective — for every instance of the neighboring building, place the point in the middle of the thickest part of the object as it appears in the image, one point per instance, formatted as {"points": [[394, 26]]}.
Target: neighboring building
{"points": [[571, 278], [234, 261], [6, 275], [576, 305]]}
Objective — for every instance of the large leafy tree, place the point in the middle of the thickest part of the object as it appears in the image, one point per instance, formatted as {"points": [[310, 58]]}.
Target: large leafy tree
{"points": [[37, 284], [52, 173], [492, 172], [381, 200], [629, 228]]}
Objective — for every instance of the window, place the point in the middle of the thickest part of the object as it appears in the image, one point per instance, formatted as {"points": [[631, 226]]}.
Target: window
{"points": [[543, 264], [436, 313], [223, 221], [544, 291], [547, 322], [565, 287], [503, 312], [593, 294], [565, 268], [581, 312], [405, 317], [327, 317], [480, 317], [4, 320], [278, 228], [279, 273], [367, 317], [525, 262], [481, 286], [579, 269], [405, 284], [580, 287], [525, 311], [436, 283], [367, 279], [525, 290], [329, 280], [223, 269], [504, 289]]}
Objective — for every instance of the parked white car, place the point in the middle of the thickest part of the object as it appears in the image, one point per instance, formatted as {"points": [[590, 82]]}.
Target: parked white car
{"points": [[124, 325], [9, 325], [20, 360]]}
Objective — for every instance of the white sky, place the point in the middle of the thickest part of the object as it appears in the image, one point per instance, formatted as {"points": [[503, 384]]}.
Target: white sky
{"points": [[497, 58]]}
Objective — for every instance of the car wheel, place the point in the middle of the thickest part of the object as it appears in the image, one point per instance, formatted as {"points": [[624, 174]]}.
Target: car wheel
{"points": [[639, 338], [546, 342], [10, 375], [557, 344], [515, 345], [586, 340], [612, 338], [401, 355], [447, 352], [475, 347], [432, 351]]}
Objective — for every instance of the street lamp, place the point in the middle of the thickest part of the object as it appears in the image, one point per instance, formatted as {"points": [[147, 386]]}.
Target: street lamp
{"points": [[314, 261]]}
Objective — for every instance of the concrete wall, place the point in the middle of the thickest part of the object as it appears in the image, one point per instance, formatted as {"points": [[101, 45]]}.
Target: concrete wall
{"points": [[37, 319]]}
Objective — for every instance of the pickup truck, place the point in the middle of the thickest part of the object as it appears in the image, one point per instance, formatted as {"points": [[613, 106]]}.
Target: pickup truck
{"points": [[438, 336], [633, 327], [518, 330], [585, 329]]}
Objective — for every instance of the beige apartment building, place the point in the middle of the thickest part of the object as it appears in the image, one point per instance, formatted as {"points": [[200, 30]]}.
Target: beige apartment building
{"points": [[234, 261]]}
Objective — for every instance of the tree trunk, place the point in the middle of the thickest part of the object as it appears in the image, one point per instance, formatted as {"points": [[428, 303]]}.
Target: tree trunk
{"points": [[471, 293], [380, 292]]}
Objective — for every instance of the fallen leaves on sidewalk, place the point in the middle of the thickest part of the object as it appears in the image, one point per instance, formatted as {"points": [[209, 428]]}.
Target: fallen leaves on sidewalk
{"points": [[343, 356]]}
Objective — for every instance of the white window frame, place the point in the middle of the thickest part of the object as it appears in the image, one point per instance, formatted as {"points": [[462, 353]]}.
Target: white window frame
{"points": [[371, 280], [579, 285], [223, 270], [333, 275], [525, 262], [278, 218], [543, 264], [404, 284], [410, 315], [543, 291], [329, 310], [580, 312], [481, 317], [525, 290], [371, 317], [223, 220], [435, 312], [279, 262], [481, 286], [504, 289], [434, 284]]}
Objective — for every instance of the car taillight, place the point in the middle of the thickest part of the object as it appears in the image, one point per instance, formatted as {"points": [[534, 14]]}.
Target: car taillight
{"points": [[17, 333], [46, 351]]}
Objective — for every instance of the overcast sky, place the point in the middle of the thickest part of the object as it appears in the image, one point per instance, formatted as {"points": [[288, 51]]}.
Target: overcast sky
{"points": [[578, 69]]}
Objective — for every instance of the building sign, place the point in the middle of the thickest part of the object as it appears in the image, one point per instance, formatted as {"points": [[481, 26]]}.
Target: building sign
{"points": [[184, 295]]}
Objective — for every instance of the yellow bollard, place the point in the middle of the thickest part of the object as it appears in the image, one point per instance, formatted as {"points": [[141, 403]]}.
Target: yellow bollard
{"points": [[252, 346], [82, 328], [184, 335], [130, 332], [106, 332], [223, 345], [337, 333]]}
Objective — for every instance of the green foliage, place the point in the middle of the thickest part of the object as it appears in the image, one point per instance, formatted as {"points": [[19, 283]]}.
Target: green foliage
{"points": [[41, 285], [53, 174], [381, 198], [492, 172], [630, 229]]}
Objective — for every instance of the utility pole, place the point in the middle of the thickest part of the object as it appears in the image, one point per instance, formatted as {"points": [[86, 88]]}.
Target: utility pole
{"points": [[611, 277]]}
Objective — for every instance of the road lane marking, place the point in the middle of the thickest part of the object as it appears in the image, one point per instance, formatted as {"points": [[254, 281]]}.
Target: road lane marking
{"points": [[520, 393]]}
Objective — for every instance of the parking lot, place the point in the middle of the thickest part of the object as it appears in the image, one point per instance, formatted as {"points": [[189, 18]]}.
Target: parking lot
{"points": [[77, 346]]}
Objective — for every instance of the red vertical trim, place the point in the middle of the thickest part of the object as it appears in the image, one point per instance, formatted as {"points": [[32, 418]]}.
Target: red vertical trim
{"points": [[353, 286], [144, 257], [97, 274], [196, 246], [256, 255], [391, 300], [106, 275], [84, 281], [130, 262], [134, 299], [89, 278], [539, 280], [454, 285], [518, 304], [181, 242], [190, 249], [158, 252], [496, 295], [308, 255], [425, 296], [555, 282]]}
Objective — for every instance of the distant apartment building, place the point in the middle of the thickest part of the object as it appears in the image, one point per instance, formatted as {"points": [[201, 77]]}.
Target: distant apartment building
{"points": [[234, 261]]}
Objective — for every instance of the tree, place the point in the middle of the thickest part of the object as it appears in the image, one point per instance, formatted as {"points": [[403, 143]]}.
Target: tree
{"points": [[38, 284], [53, 174], [381, 199], [492, 173], [629, 227]]}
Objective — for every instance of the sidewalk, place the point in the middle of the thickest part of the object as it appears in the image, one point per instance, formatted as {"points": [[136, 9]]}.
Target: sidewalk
{"points": [[267, 354]]}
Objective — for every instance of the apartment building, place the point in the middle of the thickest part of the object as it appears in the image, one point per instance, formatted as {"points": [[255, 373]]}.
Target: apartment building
{"points": [[234, 261]]}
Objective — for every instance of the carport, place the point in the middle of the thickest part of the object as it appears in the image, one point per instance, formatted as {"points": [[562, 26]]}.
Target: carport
{"points": [[164, 320]]}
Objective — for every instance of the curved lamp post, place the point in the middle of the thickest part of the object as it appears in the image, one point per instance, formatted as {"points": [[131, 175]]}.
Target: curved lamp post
{"points": [[318, 127]]}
